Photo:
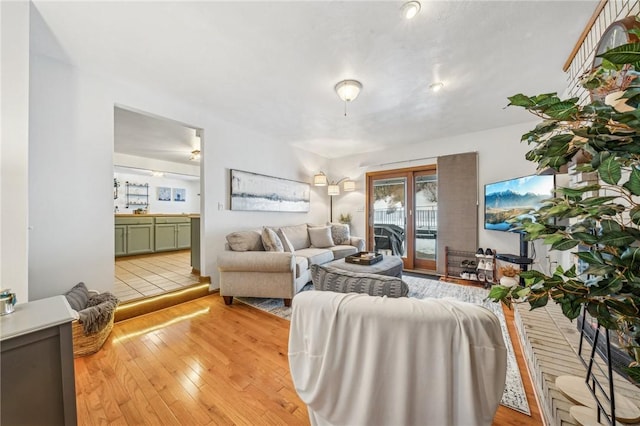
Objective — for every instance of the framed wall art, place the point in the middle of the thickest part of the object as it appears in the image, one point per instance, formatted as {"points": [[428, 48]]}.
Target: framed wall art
{"points": [[179, 194], [164, 193], [256, 192]]}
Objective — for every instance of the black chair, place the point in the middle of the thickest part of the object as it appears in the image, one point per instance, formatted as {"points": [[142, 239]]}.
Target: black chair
{"points": [[389, 237]]}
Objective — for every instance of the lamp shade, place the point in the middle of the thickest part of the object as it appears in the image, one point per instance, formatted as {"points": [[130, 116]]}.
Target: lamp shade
{"points": [[333, 190], [349, 185], [320, 179], [348, 90]]}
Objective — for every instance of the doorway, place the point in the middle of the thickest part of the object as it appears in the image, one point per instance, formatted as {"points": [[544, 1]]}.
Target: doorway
{"points": [[157, 200], [402, 207]]}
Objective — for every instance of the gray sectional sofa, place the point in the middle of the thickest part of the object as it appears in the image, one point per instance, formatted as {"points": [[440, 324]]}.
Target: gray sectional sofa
{"points": [[274, 262]]}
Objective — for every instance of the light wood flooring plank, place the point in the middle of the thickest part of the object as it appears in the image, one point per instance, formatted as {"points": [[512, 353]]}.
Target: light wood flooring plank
{"points": [[204, 363]]}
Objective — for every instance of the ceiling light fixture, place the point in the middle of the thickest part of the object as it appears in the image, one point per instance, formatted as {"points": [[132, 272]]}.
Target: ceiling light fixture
{"points": [[348, 90], [435, 87], [195, 155], [410, 9]]}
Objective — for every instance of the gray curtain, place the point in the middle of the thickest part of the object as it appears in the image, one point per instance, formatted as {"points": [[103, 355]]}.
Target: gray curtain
{"points": [[457, 204]]}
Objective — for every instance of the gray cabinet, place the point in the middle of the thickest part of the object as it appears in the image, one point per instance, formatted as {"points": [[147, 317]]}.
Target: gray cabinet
{"points": [[172, 233], [134, 235], [37, 380], [195, 243]]}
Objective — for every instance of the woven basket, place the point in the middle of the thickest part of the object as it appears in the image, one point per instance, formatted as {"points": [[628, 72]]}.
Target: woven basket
{"points": [[89, 344]]}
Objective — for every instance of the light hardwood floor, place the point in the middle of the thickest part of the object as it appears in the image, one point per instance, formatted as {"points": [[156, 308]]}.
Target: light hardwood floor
{"points": [[202, 362]]}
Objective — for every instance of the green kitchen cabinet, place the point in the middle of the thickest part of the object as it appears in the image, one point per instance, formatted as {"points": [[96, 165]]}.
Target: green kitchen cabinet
{"points": [[172, 233], [121, 240], [140, 239], [134, 235]]}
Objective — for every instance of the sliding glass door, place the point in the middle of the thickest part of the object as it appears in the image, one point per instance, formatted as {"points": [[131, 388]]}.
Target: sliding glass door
{"points": [[401, 220]]}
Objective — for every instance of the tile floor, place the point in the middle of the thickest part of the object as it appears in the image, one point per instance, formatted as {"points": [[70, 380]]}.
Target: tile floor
{"points": [[143, 276]]}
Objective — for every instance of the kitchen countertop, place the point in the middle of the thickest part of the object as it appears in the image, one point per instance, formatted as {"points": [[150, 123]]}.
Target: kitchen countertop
{"points": [[158, 215]]}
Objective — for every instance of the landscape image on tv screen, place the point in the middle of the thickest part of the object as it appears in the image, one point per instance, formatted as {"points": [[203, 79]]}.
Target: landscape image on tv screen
{"points": [[514, 198]]}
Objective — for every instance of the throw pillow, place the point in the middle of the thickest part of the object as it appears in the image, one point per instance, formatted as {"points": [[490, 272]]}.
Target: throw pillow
{"points": [[271, 241], [78, 297], [340, 233], [321, 237], [286, 243], [245, 241], [327, 278]]}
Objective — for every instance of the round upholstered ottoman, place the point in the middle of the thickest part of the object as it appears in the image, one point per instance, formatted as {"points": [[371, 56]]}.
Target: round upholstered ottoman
{"points": [[389, 265]]}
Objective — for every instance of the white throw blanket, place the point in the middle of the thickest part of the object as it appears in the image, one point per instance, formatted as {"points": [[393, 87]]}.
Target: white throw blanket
{"points": [[362, 360]]}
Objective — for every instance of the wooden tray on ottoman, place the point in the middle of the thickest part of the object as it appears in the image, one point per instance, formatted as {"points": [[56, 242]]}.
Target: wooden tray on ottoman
{"points": [[364, 258]]}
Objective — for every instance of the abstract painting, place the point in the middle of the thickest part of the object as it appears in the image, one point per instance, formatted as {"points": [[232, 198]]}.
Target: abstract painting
{"points": [[256, 192], [179, 194]]}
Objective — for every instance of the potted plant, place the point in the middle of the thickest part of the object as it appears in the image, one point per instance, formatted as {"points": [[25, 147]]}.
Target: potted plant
{"points": [[602, 219]]}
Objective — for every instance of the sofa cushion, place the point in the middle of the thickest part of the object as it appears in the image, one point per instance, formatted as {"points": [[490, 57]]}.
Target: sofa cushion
{"points": [[297, 235], [321, 237], [245, 241], [271, 241], [316, 255], [326, 278], [288, 245], [340, 233], [302, 264], [78, 297], [342, 251]]}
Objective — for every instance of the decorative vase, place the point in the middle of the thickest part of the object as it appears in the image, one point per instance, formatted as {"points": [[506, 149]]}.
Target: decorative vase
{"points": [[509, 281]]}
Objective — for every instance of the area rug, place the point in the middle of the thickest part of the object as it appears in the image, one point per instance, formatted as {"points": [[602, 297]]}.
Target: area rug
{"points": [[513, 397]]}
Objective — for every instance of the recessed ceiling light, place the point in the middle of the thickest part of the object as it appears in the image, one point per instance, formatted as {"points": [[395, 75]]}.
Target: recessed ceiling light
{"points": [[410, 9], [435, 87]]}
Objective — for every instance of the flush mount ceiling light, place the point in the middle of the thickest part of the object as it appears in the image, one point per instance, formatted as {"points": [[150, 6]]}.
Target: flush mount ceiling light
{"points": [[435, 87], [410, 9], [195, 155], [348, 90]]}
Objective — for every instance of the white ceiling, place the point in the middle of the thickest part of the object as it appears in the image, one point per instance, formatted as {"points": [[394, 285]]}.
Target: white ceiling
{"points": [[272, 66]]}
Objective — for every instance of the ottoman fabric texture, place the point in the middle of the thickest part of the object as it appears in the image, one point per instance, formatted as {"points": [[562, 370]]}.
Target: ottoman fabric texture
{"points": [[327, 278]]}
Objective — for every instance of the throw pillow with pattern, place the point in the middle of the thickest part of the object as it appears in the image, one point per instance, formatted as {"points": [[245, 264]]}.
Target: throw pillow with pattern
{"points": [[340, 233]]}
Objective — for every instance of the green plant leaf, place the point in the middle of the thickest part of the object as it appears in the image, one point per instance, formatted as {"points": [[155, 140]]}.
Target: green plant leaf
{"points": [[605, 287], [584, 237], [625, 54], [633, 372], [598, 158], [538, 301], [616, 239], [633, 184], [609, 225], [521, 101], [634, 213], [621, 306], [563, 110], [610, 171], [599, 270], [498, 293], [592, 258], [595, 201], [577, 191], [564, 244], [571, 309]]}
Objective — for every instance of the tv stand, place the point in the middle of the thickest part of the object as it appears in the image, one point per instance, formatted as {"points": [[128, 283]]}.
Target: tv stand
{"points": [[523, 260]]}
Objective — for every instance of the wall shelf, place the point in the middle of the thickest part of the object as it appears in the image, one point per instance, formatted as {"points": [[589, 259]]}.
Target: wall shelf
{"points": [[137, 194]]}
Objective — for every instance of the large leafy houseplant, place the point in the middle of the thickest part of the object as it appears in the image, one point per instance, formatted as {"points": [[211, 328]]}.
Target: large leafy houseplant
{"points": [[602, 218]]}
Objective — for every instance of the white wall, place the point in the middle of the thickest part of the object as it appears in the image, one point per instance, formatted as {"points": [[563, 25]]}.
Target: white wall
{"points": [[71, 172], [14, 86], [500, 157], [191, 186]]}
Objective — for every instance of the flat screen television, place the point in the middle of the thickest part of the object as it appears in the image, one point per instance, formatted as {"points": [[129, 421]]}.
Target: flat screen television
{"points": [[514, 197]]}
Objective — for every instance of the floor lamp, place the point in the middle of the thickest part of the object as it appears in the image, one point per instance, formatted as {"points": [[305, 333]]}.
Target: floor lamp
{"points": [[333, 188]]}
